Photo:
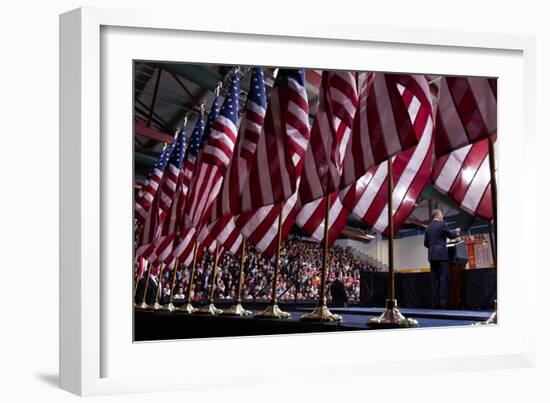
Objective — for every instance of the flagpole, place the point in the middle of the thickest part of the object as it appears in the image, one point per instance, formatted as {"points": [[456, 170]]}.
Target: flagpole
{"points": [[493, 318], [188, 307], [492, 166], [143, 304], [136, 234], [156, 306], [137, 280], [237, 309], [170, 306], [211, 308], [273, 311], [322, 313], [391, 317]]}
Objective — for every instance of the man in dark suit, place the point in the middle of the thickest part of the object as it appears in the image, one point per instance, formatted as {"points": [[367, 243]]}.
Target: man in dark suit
{"points": [[338, 291], [435, 239]]}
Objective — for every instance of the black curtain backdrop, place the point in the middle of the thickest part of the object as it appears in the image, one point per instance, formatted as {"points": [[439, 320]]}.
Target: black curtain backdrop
{"points": [[413, 290]]}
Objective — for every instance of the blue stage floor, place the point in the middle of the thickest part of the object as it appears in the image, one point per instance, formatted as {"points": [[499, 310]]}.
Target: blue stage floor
{"points": [[426, 317], [162, 325]]}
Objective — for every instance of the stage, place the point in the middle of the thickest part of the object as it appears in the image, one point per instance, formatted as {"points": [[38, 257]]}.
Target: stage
{"points": [[161, 325]]}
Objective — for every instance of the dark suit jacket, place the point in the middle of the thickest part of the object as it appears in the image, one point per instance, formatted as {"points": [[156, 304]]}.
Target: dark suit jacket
{"points": [[338, 292], [435, 239]]}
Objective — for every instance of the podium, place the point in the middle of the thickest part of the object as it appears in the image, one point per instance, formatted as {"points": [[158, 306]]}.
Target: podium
{"points": [[457, 252], [458, 257]]}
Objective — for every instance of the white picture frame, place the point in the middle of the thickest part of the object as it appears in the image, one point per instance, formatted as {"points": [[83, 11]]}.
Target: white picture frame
{"points": [[97, 356]]}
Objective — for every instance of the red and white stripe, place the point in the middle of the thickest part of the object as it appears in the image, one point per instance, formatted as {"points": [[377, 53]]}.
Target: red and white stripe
{"points": [[183, 247], [260, 227], [221, 222], [279, 155], [187, 173], [245, 149], [164, 241], [466, 112], [313, 81], [146, 194], [382, 126], [465, 176], [168, 189], [142, 263], [367, 198], [225, 232], [146, 245], [329, 135], [212, 165], [311, 218]]}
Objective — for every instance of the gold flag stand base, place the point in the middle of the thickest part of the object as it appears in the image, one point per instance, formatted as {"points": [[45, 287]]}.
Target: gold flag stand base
{"points": [[391, 318], [321, 314], [210, 309], [237, 310], [492, 319], [273, 312], [169, 307], [143, 305], [187, 308], [156, 306]]}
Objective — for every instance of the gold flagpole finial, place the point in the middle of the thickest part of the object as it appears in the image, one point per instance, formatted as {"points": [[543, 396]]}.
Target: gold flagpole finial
{"points": [[218, 88], [202, 108]]}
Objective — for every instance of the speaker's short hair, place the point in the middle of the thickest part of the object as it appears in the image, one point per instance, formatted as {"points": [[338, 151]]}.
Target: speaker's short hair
{"points": [[436, 212]]}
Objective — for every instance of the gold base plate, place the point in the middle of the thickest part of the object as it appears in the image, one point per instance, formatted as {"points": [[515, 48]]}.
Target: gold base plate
{"points": [[209, 309], [237, 310], [321, 314], [491, 321], [391, 318], [272, 312], [156, 306], [169, 307], [187, 308], [143, 305]]}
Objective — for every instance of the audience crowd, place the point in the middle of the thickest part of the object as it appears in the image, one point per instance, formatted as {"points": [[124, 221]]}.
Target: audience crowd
{"points": [[299, 275]]}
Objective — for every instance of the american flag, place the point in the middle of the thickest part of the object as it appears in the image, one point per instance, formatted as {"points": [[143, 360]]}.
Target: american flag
{"points": [[149, 231], [313, 81], [226, 232], [185, 241], [250, 131], [367, 198], [329, 135], [141, 267], [278, 161], [206, 240], [465, 176], [311, 217], [221, 225], [183, 247], [171, 176], [214, 160], [172, 224], [148, 191], [193, 150], [466, 112], [260, 226], [382, 126]]}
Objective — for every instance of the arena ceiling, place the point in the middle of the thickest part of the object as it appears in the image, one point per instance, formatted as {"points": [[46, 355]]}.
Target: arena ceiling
{"points": [[166, 93]]}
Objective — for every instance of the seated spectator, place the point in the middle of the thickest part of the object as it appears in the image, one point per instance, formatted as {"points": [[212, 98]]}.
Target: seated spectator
{"points": [[180, 295]]}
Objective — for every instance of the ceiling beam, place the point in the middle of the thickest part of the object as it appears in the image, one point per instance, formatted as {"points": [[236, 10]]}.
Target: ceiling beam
{"points": [[141, 129], [200, 75]]}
